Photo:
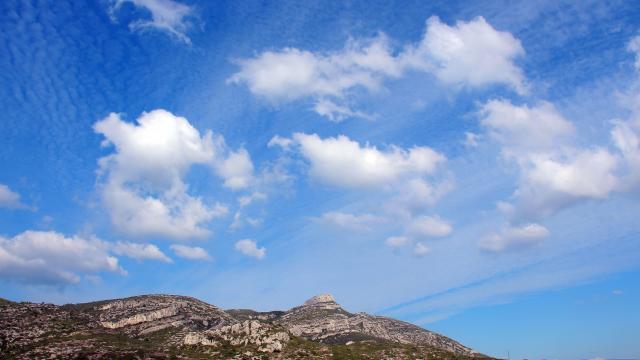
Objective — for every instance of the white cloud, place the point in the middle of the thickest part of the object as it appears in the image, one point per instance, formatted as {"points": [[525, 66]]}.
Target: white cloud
{"points": [[420, 249], [250, 248], [247, 200], [190, 252], [169, 16], [515, 237], [51, 258], [471, 139], [338, 113], [290, 74], [471, 54], [142, 181], [552, 181], [526, 127], [237, 221], [432, 226], [553, 174], [403, 174], [350, 221], [634, 47], [397, 241], [140, 251], [236, 169], [341, 161], [625, 134], [584, 173], [417, 193], [243, 201], [9, 199], [280, 141], [626, 138]]}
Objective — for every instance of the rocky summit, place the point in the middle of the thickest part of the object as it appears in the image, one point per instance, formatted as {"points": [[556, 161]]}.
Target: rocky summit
{"points": [[179, 327]]}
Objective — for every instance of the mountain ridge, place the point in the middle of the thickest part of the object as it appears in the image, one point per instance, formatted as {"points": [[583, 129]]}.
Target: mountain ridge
{"points": [[173, 326]]}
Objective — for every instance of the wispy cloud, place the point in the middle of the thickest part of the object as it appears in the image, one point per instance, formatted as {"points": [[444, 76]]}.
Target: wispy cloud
{"points": [[10, 199], [190, 252], [140, 251], [250, 248], [169, 16]]}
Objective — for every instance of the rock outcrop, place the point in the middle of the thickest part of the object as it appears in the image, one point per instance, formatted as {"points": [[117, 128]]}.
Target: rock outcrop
{"points": [[322, 319]]}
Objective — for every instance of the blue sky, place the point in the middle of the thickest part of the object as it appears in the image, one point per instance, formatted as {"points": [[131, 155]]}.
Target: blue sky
{"points": [[470, 167]]}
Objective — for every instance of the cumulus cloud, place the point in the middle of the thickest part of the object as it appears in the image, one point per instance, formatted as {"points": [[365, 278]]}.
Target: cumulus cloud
{"points": [[584, 173], [9, 199], [236, 169], [190, 252], [291, 73], [47, 257], [553, 173], [514, 238], [404, 176], [350, 221], [525, 127], [168, 16], [341, 161], [250, 248], [470, 54], [431, 226], [140, 251], [142, 182]]}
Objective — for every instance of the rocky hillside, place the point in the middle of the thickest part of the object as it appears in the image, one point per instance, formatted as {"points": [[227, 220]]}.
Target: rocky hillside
{"points": [[178, 327]]}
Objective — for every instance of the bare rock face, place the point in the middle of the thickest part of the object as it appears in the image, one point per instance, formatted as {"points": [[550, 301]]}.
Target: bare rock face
{"points": [[324, 299], [265, 336], [169, 326], [148, 314], [322, 319]]}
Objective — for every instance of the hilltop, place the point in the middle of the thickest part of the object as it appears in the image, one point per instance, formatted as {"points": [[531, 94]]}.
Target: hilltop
{"points": [[179, 327]]}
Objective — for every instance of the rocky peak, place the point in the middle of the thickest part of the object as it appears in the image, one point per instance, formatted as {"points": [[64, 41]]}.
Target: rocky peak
{"points": [[320, 299], [170, 324]]}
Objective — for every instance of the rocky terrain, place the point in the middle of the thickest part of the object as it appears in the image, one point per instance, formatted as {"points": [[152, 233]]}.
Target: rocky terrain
{"points": [[178, 327]]}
